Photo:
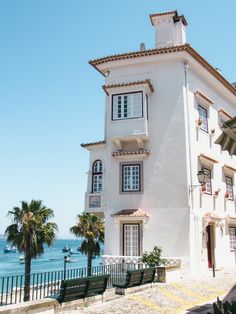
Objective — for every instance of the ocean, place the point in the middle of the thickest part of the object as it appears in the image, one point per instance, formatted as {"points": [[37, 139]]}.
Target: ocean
{"points": [[51, 260]]}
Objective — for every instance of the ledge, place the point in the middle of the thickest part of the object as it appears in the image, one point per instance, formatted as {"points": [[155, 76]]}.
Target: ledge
{"points": [[37, 306], [224, 113], [203, 98], [207, 159], [141, 154], [121, 86], [228, 168]]}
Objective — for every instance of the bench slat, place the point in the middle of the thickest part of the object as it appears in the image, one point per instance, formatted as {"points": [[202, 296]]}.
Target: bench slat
{"points": [[78, 288], [137, 277]]}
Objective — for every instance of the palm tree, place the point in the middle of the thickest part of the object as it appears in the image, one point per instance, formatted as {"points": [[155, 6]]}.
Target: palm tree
{"points": [[29, 231], [91, 229]]}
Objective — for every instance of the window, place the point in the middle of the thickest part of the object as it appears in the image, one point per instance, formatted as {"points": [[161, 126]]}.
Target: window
{"points": [[208, 182], [131, 239], [232, 237], [131, 178], [203, 117], [97, 177], [126, 106], [229, 187]]}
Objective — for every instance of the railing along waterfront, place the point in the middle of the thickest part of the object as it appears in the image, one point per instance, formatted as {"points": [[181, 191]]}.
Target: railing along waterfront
{"points": [[46, 284]]}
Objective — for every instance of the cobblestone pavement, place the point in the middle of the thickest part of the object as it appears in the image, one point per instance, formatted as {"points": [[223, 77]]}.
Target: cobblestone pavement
{"points": [[184, 296]]}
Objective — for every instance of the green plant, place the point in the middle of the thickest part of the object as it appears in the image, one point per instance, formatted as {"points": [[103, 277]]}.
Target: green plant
{"points": [[29, 231], [224, 307], [153, 258], [91, 229]]}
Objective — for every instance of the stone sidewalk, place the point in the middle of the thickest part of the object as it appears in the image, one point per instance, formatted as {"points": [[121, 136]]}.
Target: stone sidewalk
{"points": [[185, 296]]}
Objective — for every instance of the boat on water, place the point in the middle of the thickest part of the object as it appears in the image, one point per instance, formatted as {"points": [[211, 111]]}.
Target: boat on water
{"points": [[9, 249], [71, 260], [21, 259], [73, 253], [66, 249]]}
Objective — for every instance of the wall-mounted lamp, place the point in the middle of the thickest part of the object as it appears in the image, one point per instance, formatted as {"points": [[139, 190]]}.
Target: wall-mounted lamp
{"points": [[202, 176]]}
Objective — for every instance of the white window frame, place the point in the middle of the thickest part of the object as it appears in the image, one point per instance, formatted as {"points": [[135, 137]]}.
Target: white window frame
{"points": [[124, 106], [131, 239], [232, 237], [97, 177], [203, 118], [229, 186], [131, 177], [208, 184]]}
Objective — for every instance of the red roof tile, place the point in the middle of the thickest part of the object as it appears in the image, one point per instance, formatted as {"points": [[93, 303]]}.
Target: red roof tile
{"points": [[186, 47], [148, 82], [131, 213], [91, 144]]}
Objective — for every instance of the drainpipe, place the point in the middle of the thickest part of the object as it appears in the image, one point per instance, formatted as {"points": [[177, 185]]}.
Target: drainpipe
{"points": [[188, 133], [196, 224]]}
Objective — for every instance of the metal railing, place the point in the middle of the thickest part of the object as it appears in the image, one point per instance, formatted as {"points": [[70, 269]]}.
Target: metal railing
{"points": [[47, 284]]}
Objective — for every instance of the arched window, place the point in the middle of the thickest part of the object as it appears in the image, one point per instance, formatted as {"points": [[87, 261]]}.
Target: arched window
{"points": [[97, 177]]}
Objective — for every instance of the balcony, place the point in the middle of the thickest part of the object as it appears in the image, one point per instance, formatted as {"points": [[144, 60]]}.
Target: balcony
{"points": [[94, 203], [129, 130]]}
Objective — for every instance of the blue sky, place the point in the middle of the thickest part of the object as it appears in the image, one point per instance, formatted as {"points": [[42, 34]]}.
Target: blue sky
{"points": [[51, 99]]}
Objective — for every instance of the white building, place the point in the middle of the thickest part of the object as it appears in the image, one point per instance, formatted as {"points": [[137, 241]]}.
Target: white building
{"points": [[164, 109]]}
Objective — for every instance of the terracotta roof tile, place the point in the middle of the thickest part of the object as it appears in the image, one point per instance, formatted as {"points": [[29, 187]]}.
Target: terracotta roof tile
{"points": [[137, 152], [147, 81], [186, 47], [92, 144], [137, 54], [131, 213]]}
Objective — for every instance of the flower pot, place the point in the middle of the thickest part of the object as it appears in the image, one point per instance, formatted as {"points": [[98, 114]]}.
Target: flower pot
{"points": [[226, 194], [199, 122]]}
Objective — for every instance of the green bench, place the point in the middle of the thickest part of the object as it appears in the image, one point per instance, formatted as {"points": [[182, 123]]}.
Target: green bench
{"points": [[137, 277], [80, 288]]}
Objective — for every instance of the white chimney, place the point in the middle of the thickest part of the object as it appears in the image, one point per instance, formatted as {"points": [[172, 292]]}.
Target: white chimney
{"points": [[170, 29]]}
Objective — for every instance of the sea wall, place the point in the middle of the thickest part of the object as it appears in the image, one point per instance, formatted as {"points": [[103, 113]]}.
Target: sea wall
{"points": [[47, 306]]}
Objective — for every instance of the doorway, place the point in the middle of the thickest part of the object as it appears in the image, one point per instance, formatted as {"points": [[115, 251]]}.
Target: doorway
{"points": [[210, 245]]}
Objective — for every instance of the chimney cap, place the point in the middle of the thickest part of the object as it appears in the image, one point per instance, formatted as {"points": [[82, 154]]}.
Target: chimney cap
{"points": [[173, 14]]}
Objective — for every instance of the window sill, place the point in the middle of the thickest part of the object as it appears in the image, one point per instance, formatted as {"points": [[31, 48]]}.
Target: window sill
{"points": [[130, 192], [204, 132], [207, 195], [125, 119]]}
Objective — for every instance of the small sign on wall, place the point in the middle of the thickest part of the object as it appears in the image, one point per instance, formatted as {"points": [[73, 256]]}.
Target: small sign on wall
{"points": [[94, 201]]}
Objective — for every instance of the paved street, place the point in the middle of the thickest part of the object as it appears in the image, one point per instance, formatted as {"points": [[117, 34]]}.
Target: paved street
{"points": [[184, 296]]}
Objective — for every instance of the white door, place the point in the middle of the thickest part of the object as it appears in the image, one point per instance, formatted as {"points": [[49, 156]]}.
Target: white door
{"points": [[131, 240]]}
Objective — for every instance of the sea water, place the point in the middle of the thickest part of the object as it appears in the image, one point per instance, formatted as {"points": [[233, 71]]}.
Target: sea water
{"points": [[51, 260]]}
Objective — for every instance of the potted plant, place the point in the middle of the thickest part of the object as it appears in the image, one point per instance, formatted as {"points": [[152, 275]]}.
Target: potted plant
{"points": [[216, 193], [226, 194], [212, 132], [199, 122], [203, 189], [153, 259]]}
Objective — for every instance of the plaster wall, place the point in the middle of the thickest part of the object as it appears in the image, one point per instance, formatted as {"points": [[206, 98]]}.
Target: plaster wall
{"points": [[175, 142], [165, 193], [202, 142]]}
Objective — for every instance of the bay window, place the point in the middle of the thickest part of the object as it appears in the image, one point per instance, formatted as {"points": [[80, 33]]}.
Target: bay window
{"points": [[127, 106]]}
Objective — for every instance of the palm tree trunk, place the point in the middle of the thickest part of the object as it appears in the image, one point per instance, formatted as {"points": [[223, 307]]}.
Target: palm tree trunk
{"points": [[90, 257], [27, 274]]}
